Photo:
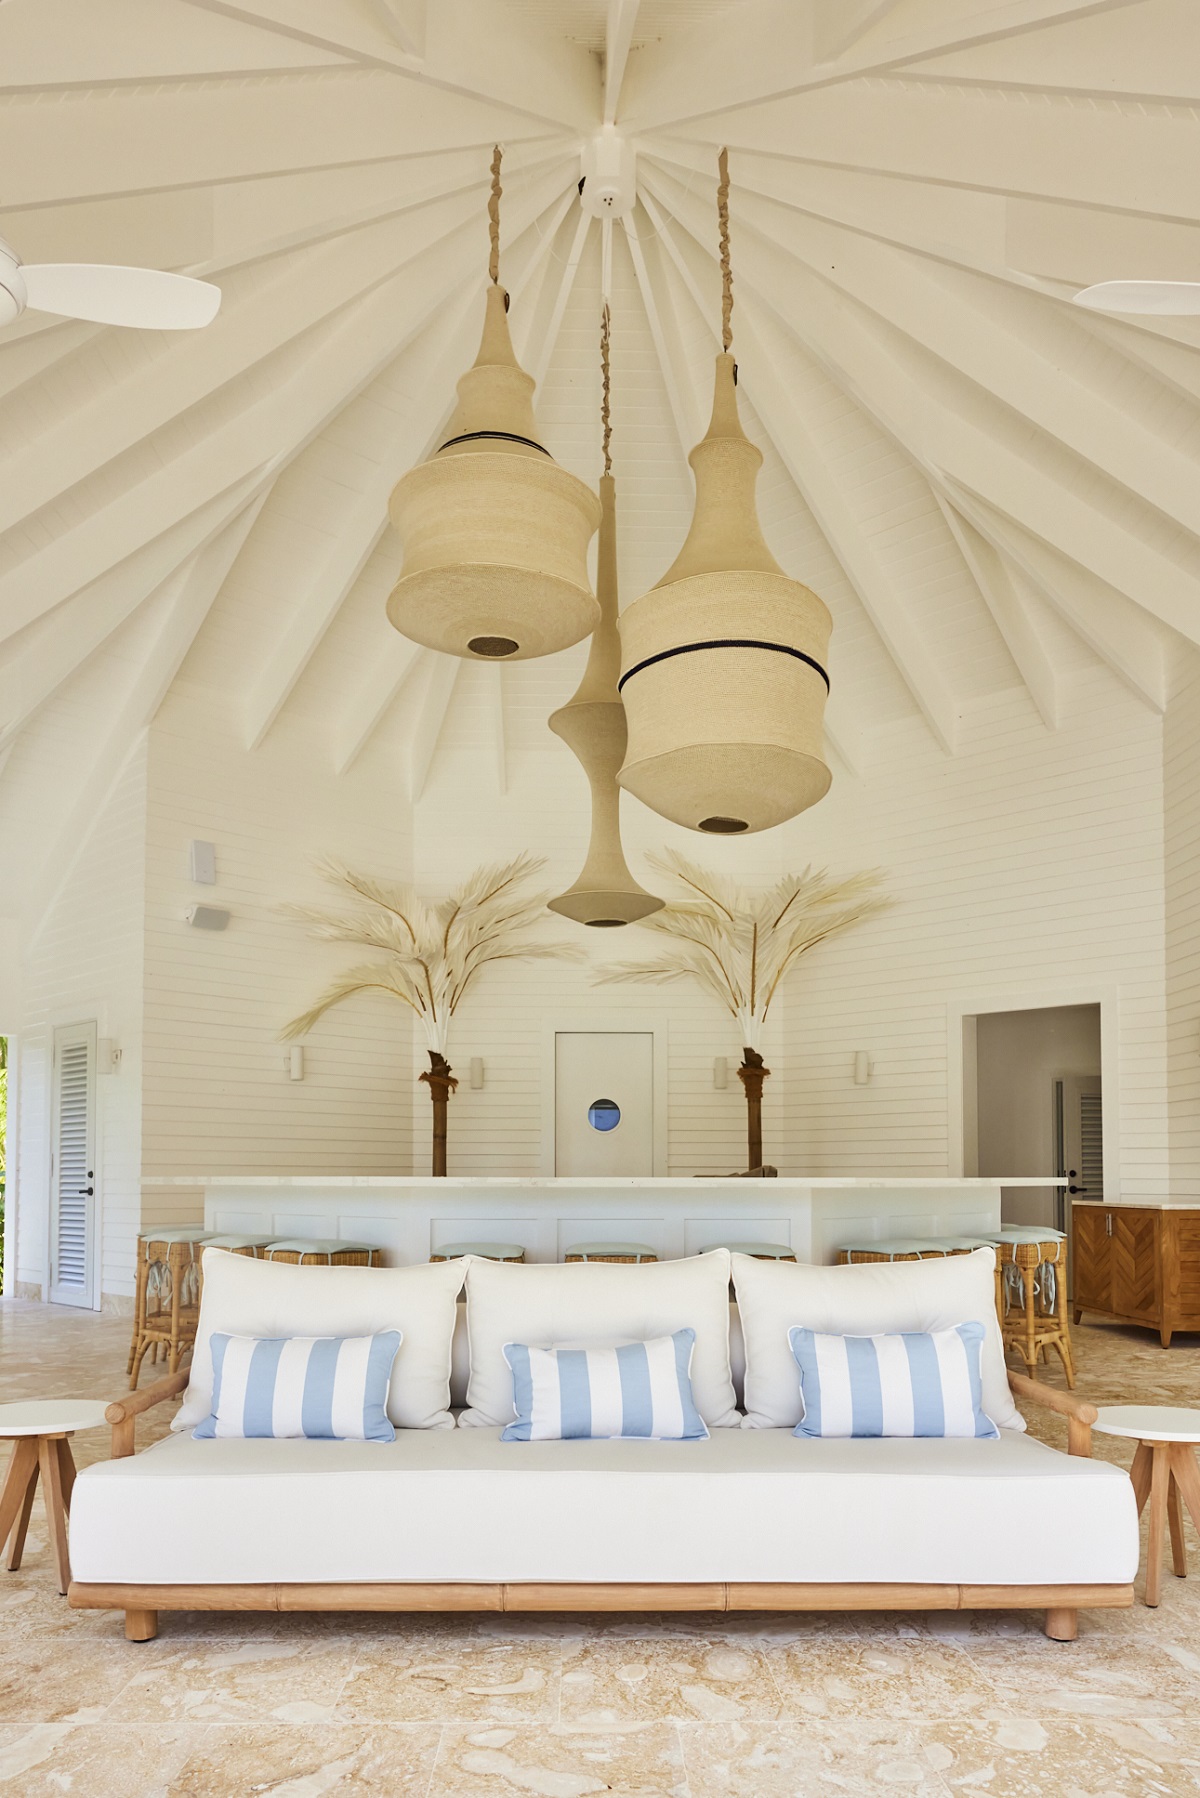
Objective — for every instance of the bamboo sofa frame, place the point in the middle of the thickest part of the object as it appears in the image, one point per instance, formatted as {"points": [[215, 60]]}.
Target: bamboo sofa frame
{"points": [[141, 1604]]}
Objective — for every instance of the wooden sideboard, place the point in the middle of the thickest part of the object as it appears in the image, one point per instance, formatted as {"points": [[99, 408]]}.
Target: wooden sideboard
{"points": [[1139, 1264]]}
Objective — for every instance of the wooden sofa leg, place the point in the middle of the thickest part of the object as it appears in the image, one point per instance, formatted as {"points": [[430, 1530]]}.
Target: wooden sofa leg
{"points": [[141, 1626], [1062, 1623]]}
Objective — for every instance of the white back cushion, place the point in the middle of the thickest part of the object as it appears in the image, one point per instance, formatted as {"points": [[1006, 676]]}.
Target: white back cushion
{"points": [[244, 1297], [866, 1299], [594, 1305]]}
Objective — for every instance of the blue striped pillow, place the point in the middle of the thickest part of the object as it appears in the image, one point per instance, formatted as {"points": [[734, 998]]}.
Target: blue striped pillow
{"points": [[318, 1386], [637, 1389], [910, 1384]]}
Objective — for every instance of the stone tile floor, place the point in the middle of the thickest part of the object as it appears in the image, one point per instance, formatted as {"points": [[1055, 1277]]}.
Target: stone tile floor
{"points": [[562, 1707]]}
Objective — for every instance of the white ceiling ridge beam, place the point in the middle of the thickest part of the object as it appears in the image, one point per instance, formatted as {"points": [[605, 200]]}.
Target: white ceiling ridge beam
{"points": [[895, 285], [566, 283], [431, 715], [187, 599], [618, 38], [692, 74], [472, 48], [405, 21], [1104, 618], [1012, 618], [937, 437], [808, 468], [90, 617], [846, 739], [681, 395], [373, 700], [541, 254], [348, 356]]}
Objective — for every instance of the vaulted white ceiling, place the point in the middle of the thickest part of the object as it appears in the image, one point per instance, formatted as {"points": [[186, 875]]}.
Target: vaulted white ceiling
{"points": [[991, 488]]}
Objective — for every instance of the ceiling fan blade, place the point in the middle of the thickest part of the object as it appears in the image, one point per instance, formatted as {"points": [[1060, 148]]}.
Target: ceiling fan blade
{"points": [[107, 294], [1167, 299]]}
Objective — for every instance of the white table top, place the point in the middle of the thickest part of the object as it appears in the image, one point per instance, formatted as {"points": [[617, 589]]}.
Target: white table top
{"points": [[1150, 1423], [48, 1416]]}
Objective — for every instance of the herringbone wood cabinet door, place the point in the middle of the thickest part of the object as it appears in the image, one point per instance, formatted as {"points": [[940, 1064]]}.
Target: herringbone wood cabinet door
{"points": [[1093, 1264], [1135, 1263]]}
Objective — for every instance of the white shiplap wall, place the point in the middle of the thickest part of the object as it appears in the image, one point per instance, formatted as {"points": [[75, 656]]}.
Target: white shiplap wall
{"points": [[84, 964], [1181, 806], [218, 1098]]}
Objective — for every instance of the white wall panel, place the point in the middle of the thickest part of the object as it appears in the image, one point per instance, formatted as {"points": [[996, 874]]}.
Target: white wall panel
{"points": [[1181, 805]]}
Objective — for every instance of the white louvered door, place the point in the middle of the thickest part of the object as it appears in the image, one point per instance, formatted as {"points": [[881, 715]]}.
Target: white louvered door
{"points": [[73, 1245]]}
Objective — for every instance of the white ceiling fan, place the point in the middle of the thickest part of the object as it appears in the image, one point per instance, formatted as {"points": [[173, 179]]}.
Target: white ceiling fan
{"points": [[104, 293], [1164, 299]]}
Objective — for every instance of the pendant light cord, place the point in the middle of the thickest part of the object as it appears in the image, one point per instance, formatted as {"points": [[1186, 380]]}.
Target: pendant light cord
{"points": [[494, 216], [605, 388], [726, 266]]}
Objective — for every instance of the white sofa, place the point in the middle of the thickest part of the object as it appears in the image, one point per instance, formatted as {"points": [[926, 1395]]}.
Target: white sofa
{"points": [[753, 1518]]}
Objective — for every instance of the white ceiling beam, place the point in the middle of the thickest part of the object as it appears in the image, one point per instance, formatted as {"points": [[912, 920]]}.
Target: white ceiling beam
{"points": [[566, 283], [618, 36], [389, 674], [70, 636], [681, 395], [840, 24], [1004, 601], [431, 715], [693, 74], [404, 20], [1106, 621], [894, 388], [809, 470]]}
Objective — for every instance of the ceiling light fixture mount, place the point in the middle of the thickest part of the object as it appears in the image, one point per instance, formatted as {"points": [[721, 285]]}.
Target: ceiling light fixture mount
{"points": [[609, 165], [495, 533], [723, 662]]}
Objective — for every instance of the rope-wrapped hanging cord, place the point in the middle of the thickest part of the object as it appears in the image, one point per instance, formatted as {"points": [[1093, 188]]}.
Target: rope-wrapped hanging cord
{"points": [[726, 266], [494, 216], [605, 389]]}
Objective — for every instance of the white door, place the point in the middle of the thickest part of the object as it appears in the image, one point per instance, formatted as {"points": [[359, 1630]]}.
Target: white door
{"points": [[1083, 1134], [73, 1246], [604, 1102]]}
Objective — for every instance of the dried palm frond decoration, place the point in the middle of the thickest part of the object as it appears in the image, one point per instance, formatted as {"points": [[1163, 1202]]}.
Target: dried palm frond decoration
{"points": [[431, 953], [740, 946]]}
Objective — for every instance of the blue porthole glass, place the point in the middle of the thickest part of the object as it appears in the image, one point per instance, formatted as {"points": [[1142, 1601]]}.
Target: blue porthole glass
{"points": [[604, 1114]]}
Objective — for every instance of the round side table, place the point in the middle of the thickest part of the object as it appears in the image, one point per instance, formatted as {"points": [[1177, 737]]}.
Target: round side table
{"points": [[40, 1431], [1164, 1471]]}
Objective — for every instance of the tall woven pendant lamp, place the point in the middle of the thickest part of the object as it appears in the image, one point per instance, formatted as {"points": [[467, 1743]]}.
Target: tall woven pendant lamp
{"points": [[495, 533], [723, 662], [592, 725]]}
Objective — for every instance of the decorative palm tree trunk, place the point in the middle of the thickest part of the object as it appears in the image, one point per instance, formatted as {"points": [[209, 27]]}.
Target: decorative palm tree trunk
{"points": [[752, 1073], [441, 1083]]}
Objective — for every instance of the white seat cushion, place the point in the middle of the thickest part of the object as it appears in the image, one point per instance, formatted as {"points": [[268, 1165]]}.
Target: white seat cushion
{"points": [[743, 1505]]}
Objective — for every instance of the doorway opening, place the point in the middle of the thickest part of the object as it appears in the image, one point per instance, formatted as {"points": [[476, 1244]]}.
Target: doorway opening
{"points": [[1034, 1107]]}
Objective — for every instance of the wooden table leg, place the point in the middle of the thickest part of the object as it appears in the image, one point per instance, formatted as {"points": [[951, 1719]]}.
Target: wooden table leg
{"points": [[56, 1515], [1139, 1473], [1159, 1480], [1175, 1520], [16, 1542], [66, 1471], [1187, 1478], [22, 1468]]}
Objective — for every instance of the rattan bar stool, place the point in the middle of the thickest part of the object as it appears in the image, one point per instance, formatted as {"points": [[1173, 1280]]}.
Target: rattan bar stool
{"points": [[631, 1252], [254, 1246], [901, 1249], [324, 1252], [167, 1296], [761, 1251], [1031, 1294], [487, 1251]]}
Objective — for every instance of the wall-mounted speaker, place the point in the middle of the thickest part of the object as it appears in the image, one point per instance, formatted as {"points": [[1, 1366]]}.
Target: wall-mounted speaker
{"points": [[208, 917]]}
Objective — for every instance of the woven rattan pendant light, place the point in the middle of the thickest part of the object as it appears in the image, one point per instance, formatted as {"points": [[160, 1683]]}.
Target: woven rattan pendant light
{"points": [[723, 662], [495, 533], [592, 725]]}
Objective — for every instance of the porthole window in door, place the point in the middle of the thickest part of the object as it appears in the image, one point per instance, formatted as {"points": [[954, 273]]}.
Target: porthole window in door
{"points": [[604, 1114]]}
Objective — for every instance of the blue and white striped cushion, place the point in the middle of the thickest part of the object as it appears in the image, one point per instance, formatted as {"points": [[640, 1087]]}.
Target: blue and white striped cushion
{"points": [[638, 1389], [912, 1384], [318, 1386]]}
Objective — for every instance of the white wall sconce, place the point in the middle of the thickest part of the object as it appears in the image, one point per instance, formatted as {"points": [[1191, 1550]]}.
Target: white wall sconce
{"points": [[295, 1062], [720, 1073], [864, 1067], [477, 1073], [108, 1055], [207, 917], [202, 863]]}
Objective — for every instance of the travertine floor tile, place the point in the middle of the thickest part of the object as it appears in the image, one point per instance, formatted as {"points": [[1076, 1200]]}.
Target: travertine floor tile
{"points": [[813, 1759], [257, 1681], [1093, 1677], [446, 1682], [641, 1762], [94, 1760], [1034, 1758], [392, 1762], [895, 1679], [615, 1682], [50, 1679]]}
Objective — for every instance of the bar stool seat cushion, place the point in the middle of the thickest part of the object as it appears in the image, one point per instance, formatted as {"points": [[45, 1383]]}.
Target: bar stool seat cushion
{"points": [[762, 1251], [237, 1242], [596, 1251], [183, 1233], [549, 1305], [879, 1298], [318, 1245], [491, 1251], [244, 1296], [1027, 1233]]}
